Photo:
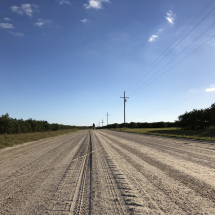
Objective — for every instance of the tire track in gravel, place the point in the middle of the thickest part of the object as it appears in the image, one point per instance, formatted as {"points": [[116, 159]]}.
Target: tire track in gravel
{"points": [[135, 197], [132, 194], [107, 183], [39, 159], [91, 168], [52, 194], [81, 198], [24, 189], [201, 168], [85, 200], [186, 151], [151, 180], [73, 193], [198, 186], [68, 174], [16, 152], [203, 189]]}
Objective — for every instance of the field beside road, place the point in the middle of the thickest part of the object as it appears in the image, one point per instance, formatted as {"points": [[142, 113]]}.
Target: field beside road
{"points": [[173, 132], [8, 140], [108, 172]]}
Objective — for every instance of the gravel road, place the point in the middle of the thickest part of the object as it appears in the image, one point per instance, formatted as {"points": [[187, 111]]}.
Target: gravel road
{"points": [[108, 172]]}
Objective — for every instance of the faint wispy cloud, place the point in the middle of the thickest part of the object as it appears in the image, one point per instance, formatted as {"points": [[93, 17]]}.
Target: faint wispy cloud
{"points": [[153, 38], [17, 34], [96, 4], [27, 9], [7, 19], [42, 22], [63, 2], [84, 20], [6, 25], [169, 17], [210, 89]]}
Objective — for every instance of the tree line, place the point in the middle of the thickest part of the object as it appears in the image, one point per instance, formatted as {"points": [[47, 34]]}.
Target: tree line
{"points": [[9, 125], [198, 119], [142, 125], [193, 120]]}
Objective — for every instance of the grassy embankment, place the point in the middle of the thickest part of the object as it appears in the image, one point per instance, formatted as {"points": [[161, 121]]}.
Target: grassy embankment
{"points": [[7, 140], [173, 132]]}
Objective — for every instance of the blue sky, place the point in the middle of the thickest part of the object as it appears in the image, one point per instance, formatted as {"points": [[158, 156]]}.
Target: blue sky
{"points": [[70, 61]]}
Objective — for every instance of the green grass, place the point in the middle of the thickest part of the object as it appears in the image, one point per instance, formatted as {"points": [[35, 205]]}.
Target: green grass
{"points": [[172, 132], [7, 140]]}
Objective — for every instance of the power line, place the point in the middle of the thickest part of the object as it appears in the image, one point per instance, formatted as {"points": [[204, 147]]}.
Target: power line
{"points": [[177, 63], [177, 43], [115, 109], [175, 57], [115, 105]]}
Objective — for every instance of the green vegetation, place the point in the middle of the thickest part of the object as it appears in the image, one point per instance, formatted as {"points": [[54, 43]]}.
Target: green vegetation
{"points": [[7, 140], [202, 119], [17, 131], [198, 119], [9, 125], [173, 132], [196, 124], [142, 125]]}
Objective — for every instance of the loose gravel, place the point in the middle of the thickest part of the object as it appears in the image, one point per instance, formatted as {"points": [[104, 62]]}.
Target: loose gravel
{"points": [[108, 172]]}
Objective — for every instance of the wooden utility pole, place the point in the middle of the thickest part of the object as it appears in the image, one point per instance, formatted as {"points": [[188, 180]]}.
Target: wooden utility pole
{"points": [[107, 117], [102, 122], [124, 105]]}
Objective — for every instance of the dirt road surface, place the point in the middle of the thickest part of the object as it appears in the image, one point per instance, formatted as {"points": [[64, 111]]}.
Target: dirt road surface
{"points": [[107, 172]]}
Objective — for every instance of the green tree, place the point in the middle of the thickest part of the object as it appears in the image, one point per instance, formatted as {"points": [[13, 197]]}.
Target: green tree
{"points": [[6, 124], [132, 125]]}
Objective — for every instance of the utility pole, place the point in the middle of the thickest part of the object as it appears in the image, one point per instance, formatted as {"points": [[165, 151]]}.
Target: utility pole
{"points": [[107, 117], [102, 122], [124, 105]]}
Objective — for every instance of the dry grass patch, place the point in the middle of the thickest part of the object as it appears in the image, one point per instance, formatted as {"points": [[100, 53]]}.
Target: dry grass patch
{"points": [[7, 140], [208, 135]]}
